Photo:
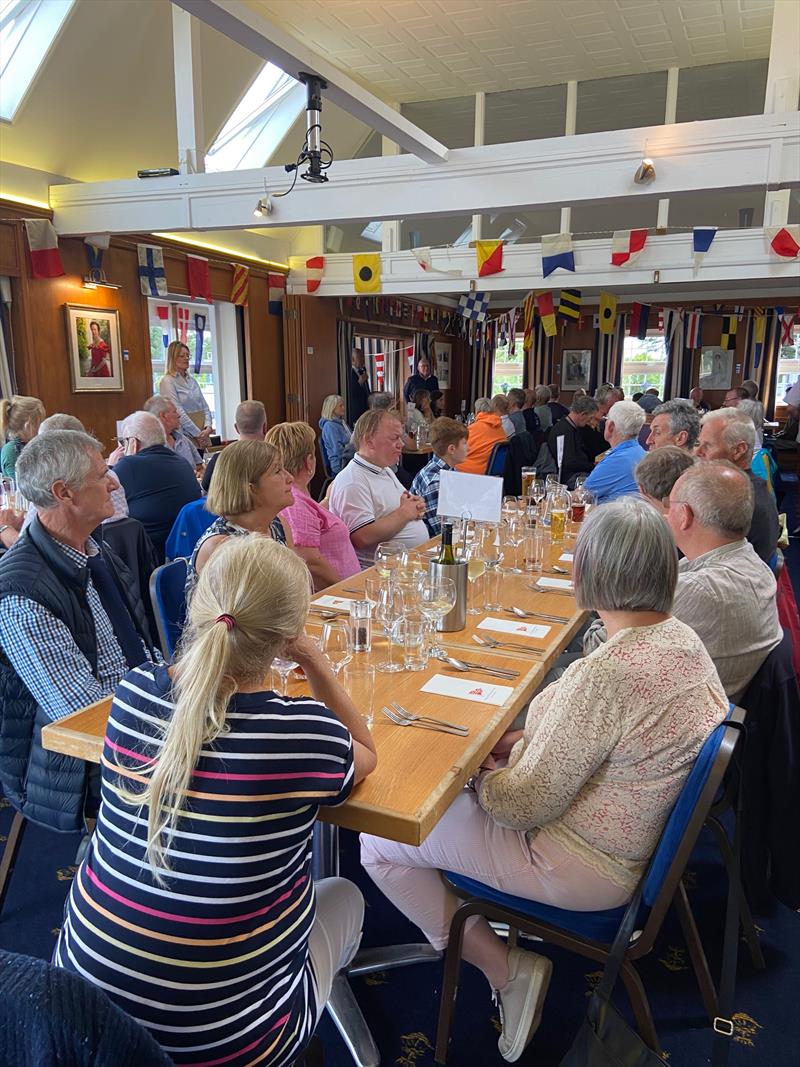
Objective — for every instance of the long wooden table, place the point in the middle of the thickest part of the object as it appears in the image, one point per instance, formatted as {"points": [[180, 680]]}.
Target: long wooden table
{"points": [[418, 773]]}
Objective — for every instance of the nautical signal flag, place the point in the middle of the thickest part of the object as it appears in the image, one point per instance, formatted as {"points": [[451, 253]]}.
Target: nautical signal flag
{"points": [[640, 318], [314, 268], [759, 335], [608, 313], [276, 290], [728, 338], [489, 255], [528, 311], [544, 302], [473, 306], [43, 245], [152, 276], [627, 246], [367, 272], [240, 288], [784, 240], [702, 238], [569, 304], [787, 320], [557, 252], [694, 329], [197, 276]]}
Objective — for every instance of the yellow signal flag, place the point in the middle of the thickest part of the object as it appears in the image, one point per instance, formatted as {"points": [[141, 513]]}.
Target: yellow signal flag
{"points": [[367, 272], [608, 312]]}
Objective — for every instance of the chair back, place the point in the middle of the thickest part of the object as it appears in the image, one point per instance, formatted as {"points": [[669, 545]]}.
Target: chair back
{"points": [[686, 819], [167, 584], [326, 461], [191, 523], [497, 459]]}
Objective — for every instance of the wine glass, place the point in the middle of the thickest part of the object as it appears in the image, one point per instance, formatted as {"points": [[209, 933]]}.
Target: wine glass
{"points": [[337, 644], [515, 534], [388, 557], [284, 666], [476, 568], [389, 612], [538, 491], [437, 598]]}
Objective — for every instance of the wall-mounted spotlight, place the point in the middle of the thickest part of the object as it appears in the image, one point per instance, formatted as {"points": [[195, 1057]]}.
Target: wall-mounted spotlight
{"points": [[645, 173], [263, 207]]}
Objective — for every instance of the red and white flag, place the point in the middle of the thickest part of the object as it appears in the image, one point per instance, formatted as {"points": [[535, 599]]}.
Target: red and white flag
{"points": [[694, 322], [240, 288], [314, 269], [43, 244], [627, 246], [784, 240], [183, 324], [787, 320], [198, 278], [276, 286]]}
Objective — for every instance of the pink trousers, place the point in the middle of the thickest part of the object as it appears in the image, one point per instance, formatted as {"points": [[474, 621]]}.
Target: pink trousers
{"points": [[468, 841]]}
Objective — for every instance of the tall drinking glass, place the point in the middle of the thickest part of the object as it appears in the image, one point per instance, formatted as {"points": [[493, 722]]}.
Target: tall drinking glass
{"points": [[389, 612], [359, 681], [528, 480], [437, 598]]}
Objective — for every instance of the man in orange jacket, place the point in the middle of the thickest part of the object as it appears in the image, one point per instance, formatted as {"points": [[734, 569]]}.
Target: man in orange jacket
{"points": [[484, 433]]}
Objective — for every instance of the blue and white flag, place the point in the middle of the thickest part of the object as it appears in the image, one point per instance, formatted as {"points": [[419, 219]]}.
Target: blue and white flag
{"points": [[474, 306], [557, 252], [152, 276], [702, 238]]}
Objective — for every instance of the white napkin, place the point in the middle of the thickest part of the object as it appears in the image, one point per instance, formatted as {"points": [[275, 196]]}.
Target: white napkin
{"points": [[462, 689], [515, 626], [555, 583]]}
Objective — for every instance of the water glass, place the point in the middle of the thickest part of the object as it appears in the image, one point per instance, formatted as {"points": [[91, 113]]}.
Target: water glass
{"points": [[535, 541], [491, 585], [359, 681], [412, 636]]}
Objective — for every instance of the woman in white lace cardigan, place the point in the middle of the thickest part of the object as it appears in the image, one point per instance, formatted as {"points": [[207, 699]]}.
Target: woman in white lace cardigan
{"points": [[568, 810]]}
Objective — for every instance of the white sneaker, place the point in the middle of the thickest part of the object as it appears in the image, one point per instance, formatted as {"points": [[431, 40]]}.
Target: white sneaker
{"points": [[521, 1002]]}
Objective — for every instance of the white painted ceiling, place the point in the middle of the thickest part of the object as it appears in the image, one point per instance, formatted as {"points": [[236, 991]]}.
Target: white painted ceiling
{"points": [[426, 49]]}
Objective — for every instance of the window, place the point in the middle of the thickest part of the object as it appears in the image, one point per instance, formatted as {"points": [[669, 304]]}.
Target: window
{"points": [[788, 366], [259, 122], [644, 363], [28, 29], [167, 329], [508, 367]]}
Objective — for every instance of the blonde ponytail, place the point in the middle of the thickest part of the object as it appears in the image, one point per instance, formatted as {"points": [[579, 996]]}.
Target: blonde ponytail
{"points": [[251, 596], [18, 413]]}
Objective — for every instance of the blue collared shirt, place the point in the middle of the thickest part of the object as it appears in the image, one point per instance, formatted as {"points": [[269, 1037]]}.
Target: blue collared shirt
{"points": [[613, 475], [426, 485]]}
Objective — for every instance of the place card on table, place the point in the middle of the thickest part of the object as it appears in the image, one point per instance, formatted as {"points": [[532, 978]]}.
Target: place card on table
{"points": [[515, 626], [555, 583], [566, 557], [462, 689], [341, 602]]}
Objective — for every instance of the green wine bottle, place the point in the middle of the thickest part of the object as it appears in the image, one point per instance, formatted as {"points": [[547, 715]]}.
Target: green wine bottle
{"points": [[447, 555]]}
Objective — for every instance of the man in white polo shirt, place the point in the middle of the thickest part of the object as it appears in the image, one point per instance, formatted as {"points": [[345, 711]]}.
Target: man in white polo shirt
{"points": [[367, 496]]}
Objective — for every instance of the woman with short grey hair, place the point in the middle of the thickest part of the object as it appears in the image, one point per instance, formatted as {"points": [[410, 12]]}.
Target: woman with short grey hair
{"points": [[569, 810], [541, 398]]}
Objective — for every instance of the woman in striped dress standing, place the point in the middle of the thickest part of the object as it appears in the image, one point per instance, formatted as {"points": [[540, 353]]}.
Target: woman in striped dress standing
{"points": [[194, 908]]}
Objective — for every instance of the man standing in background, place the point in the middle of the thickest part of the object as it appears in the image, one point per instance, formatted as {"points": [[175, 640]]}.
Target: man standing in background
{"points": [[358, 386]]}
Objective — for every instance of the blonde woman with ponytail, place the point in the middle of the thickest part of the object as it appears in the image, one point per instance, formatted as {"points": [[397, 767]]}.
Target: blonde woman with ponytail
{"points": [[20, 417], [194, 908]]}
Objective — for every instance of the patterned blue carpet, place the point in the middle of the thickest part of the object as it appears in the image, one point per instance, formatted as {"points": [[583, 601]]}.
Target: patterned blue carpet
{"points": [[401, 1006]]}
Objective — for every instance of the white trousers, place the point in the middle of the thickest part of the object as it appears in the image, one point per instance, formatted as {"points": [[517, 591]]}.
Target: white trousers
{"points": [[336, 933]]}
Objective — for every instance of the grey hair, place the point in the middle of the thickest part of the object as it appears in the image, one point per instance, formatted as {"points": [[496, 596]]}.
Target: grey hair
{"points": [[57, 456], [541, 395], [660, 469], [584, 405], [157, 405], [380, 401], [146, 428], [625, 559], [737, 428], [251, 416], [751, 409], [628, 418], [719, 503], [517, 396], [482, 405], [606, 390], [60, 421], [682, 416], [751, 388]]}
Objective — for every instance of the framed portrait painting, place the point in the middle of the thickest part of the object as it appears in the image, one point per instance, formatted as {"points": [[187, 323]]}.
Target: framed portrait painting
{"points": [[94, 350], [576, 368], [716, 366]]}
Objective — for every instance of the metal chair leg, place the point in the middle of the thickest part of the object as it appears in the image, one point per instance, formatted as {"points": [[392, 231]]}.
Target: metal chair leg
{"points": [[745, 915], [696, 952], [641, 1006], [10, 852], [452, 963]]}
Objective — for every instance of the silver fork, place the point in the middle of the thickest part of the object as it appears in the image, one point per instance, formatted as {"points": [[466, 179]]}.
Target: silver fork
{"points": [[406, 714], [489, 642], [398, 720]]}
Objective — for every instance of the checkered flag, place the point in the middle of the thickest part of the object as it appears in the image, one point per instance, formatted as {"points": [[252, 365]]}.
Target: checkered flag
{"points": [[474, 306]]}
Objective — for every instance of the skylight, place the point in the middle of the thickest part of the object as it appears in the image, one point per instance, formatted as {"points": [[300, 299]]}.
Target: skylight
{"points": [[28, 29], [260, 121]]}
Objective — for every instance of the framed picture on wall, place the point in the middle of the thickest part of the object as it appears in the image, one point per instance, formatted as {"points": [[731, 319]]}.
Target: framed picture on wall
{"points": [[576, 367], [716, 366], [443, 351], [94, 350]]}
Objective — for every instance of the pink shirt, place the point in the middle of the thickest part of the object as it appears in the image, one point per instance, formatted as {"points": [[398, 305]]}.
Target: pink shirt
{"points": [[313, 526]]}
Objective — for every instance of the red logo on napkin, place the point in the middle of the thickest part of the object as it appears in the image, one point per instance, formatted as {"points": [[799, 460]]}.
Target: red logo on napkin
{"points": [[476, 692]]}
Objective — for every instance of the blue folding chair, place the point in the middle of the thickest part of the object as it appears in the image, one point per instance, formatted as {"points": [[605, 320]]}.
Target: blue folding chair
{"points": [[592, 933], [497, 460], [167, 584], [191, 523]]}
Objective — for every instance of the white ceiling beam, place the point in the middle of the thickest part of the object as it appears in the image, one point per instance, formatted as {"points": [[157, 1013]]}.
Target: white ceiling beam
{"points": [[188, 95], [753, 150], [736, 256], [273, 44]]}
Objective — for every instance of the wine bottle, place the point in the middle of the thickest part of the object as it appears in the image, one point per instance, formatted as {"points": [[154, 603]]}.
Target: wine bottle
{"points": [[447, 555]]}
